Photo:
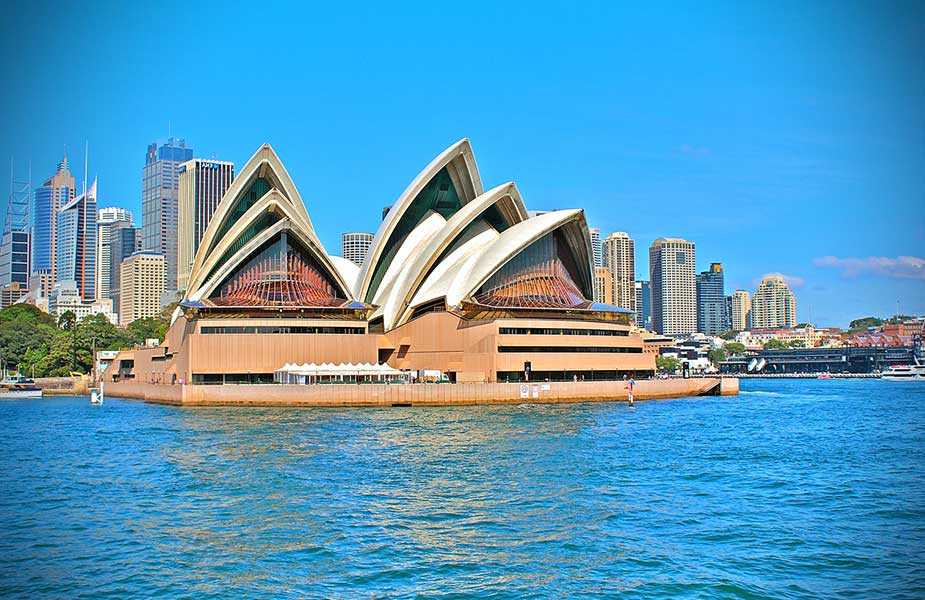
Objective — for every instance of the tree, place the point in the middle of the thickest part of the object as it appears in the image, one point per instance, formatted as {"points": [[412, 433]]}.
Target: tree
{"points": [[774, 344], [865, 322], [717, 354], [25, 335], [797, 344], [142, 329], [728, 335], [667, 364], [734, 348]]}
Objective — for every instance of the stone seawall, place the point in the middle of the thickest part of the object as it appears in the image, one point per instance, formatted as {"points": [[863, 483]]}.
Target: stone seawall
{"points": [[459, 394]]}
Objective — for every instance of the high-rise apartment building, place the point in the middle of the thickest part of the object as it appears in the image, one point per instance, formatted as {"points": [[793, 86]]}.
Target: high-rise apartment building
{"points": [[673, 279], [141, 286], [354, 246], [107, 222], [773, 304], [727, 313], [643, 305], [711, 303], [76, 247], [200, 187], [596, 248], [159, 191], [741, 310], [57, 191], [619, 256], [603, 285]]}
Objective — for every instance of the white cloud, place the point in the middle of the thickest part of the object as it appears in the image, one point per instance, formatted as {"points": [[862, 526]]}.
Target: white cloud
{"points": [[792, 281], [901, 267]]}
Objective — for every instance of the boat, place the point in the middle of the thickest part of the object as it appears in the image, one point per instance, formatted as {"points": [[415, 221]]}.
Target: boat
{"points": [[96, 395], [914, 372], [824, 376], [19, 387]]}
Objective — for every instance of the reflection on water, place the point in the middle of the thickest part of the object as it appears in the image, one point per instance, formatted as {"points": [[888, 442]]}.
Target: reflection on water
{"points": [[795, 489]]}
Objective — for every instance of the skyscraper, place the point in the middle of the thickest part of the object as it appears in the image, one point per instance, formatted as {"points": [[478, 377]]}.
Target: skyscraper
{"points": [[15, 250], [674, 286], [603, 285], [124, 240], [643, 305], [200, 187], [596, 247], [711, 304], [159, 202], [619, 256], [141, 286], [773, 304], [354, 246], [741, 310], [107, 220], [76, 247], [57, 191], [727, 313]]}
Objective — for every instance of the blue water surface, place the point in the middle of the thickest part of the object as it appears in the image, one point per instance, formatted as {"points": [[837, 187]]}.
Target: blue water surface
{"points": [[794, 489]]}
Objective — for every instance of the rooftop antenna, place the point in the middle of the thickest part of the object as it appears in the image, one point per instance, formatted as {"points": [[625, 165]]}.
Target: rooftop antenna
{"points": [[86, 153]]}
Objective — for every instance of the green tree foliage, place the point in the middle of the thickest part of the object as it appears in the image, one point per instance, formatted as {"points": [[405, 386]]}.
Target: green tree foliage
{"points": [[35, 342], [797, 344], [26, 333], [728, 335], [774, 345], [667, 364], [734, 348], [717, 354], [143, 329], [865, 322]]}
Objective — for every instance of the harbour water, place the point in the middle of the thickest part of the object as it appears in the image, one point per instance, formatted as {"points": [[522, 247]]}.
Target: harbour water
{"points": [[794, 489]]}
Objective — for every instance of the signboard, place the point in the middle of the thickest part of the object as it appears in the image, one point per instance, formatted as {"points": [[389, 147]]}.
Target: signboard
{"points": [[546, 387], [524, 391], [536, 391]]}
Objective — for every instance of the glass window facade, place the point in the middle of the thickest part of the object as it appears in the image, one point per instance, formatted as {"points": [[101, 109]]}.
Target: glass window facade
{"points": [[282, 273], [543, 275]]}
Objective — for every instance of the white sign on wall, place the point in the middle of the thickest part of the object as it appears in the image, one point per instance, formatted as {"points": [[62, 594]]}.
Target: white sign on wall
{"points": [[525, 391]]}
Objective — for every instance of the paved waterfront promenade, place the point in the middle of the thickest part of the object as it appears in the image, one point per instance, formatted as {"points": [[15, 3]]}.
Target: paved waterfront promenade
{"points": [[458, 394]]}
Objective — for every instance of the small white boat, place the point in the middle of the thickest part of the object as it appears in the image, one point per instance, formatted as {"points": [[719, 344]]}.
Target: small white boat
{"points": [[19, 387], [96, 395], [914, 372]]}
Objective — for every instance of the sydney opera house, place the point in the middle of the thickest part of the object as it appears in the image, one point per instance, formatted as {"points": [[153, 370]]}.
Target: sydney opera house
{"points": [[458, 279]]}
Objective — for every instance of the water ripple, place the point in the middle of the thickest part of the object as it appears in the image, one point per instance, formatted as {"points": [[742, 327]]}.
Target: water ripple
{"points": [[792, 490]]}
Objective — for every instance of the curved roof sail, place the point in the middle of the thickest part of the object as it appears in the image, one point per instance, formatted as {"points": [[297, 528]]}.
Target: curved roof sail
{"points": [[448, 183]]}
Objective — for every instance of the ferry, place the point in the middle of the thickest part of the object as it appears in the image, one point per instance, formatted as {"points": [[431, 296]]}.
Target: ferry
{"points": [[914, 372], [19, 387]]}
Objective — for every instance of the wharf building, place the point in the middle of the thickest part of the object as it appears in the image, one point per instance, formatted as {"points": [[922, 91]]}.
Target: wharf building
{"points": [[674, 286], [711, 301], [57, 191], [159, 211], [619, 255], [201, 183], [457, 279], [773, 304], [355, 245]]}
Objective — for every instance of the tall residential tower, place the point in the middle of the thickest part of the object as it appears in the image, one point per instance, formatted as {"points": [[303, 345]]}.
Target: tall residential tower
{"points": [[354, 246], [741, 310], [773, 304], [711, 303], [674, 286], [108, 222], [619, 256], [76, 243]]}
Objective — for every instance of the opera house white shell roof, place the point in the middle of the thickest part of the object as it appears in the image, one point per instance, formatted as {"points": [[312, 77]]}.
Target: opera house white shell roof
{"points": [[444, 239]]}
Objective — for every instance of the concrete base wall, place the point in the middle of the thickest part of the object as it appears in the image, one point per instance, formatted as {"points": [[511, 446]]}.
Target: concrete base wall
{"points": [[458, 394]]}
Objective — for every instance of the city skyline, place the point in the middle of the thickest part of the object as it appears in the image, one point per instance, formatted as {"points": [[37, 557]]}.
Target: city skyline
{"points": [[714, 158]]}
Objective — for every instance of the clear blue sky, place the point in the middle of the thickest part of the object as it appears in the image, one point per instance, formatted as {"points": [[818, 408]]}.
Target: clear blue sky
{"points": [[773, 136]]}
